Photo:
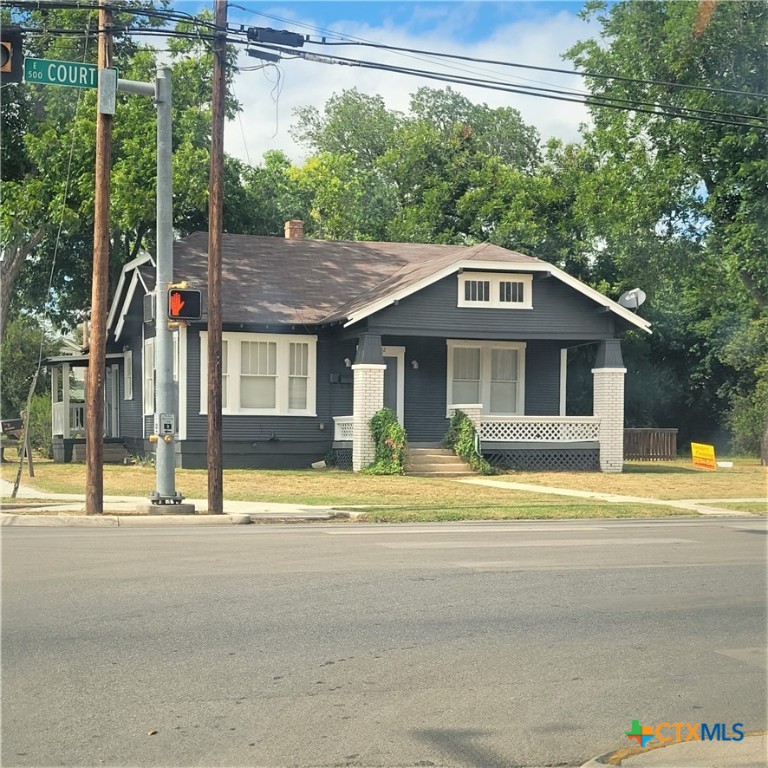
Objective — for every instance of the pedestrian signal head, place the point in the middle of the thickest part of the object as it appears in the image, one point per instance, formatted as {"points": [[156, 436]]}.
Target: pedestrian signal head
{"points": [[184, 304]]}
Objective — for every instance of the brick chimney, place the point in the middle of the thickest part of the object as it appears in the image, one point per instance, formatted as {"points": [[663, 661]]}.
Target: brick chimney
{"points": [[294, 229]]}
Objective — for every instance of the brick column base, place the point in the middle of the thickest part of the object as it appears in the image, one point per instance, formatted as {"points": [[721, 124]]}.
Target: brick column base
{"points": [[609, 407], [368, 397]]}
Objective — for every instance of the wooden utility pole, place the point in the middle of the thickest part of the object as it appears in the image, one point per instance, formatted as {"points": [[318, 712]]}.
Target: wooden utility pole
{"points": [[94, 408], [215, 228]]}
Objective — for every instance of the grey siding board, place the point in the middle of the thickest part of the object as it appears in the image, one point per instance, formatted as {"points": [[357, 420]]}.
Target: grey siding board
{"points": [[425, 388], [559, 312], [131, 410], [332, 399], [542, 378], [192, 454]]}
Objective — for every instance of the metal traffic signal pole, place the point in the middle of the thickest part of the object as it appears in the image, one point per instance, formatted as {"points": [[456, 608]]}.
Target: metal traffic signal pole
{"points": [[165, 403]]}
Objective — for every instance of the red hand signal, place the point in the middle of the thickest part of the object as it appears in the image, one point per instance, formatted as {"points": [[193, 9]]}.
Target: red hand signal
{"points": [[176, 304]]}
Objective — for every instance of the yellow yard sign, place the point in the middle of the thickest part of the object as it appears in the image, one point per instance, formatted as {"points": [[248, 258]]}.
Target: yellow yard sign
{"points": [[703, 456]]}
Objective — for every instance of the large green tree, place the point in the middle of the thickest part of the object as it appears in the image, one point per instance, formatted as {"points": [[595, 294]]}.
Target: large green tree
{"points": [[48, 163], [682, 204]]}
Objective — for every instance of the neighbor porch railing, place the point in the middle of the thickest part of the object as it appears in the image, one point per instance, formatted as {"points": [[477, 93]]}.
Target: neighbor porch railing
{"points": [[68, 419], [538, 429], [342, 428], [650, 444]]}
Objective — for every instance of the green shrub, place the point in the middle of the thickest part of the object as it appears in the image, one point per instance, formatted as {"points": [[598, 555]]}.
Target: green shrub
{"points": [[40, 425], [390, 442], [461, 438]]}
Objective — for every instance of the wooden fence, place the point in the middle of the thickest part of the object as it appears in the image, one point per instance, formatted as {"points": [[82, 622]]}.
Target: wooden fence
{"points": [[650, 444]]}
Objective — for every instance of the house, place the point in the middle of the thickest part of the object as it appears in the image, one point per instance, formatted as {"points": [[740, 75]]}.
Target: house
{"points": [[319, 335]]}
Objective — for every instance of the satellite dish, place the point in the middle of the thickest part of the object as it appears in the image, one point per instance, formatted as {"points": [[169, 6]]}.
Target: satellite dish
{"points": [[632, 299]]}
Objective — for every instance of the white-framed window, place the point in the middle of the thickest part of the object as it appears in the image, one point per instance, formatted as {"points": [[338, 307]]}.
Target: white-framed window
{"points": [[175, 338], [148, 366], [128, 374], [263, 374], [495, 291], [488, 373]]}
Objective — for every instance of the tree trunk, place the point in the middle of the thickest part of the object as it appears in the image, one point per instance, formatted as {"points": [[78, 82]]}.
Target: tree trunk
{"points": [[10, 266]]}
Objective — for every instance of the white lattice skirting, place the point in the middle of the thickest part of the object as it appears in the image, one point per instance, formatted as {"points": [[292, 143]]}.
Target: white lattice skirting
{"points": [[535, 429], [342, 428]]}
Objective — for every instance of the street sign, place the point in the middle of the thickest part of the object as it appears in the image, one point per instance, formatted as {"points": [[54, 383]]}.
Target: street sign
{"points": [[72, 74]]}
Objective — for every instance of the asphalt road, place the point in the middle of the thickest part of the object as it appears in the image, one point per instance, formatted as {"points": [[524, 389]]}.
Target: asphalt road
{"points": [[491, 644]]}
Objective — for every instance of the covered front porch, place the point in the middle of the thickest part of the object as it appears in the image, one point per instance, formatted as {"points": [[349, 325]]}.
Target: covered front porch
{"points": [[68, 407], [522, 441]]}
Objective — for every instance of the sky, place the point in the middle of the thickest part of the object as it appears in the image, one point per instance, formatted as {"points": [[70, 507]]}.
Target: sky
{"points": [[523, 32]]}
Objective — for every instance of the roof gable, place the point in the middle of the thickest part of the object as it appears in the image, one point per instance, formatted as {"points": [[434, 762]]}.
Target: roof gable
{"points": [[276, 281]]}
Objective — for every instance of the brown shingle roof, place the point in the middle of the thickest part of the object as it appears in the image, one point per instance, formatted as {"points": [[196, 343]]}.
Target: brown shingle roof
{"points": [[281, 281]]}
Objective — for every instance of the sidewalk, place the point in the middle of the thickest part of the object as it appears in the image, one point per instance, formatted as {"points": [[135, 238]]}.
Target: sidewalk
{"points": [[702, 506], [750, 752], [67, 509]]}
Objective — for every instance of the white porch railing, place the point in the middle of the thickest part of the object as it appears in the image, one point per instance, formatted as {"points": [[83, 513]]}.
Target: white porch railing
{"points": [[342, 428], [69, 419], [540, 429]]}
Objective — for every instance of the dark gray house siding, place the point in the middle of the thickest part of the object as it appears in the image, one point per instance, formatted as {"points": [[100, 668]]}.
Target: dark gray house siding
{"points": [[559, 312], [542, 378], [271, 441], [426, 387]]}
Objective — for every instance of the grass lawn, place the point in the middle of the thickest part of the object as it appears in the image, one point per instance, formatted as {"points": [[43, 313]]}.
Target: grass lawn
{"points": [[419, 499], [661, 480]]}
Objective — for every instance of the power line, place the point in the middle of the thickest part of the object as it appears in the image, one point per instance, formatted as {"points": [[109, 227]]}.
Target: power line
{"points": [[559, 94], [659, 110], [352, 40], [596, 75]]}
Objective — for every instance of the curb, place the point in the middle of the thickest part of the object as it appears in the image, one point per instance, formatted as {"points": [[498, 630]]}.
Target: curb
{"points": [[617, 756], [116, 521]]}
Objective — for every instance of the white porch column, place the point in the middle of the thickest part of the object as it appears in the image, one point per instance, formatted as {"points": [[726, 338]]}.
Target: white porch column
{"points": [[608, 376], [54, 396], [367, 397], [65, 397]]}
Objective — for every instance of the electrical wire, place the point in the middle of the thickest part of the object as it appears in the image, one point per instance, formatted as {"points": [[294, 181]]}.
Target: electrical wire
{"points": [[627, 105], [352, 40], [559, 94]]}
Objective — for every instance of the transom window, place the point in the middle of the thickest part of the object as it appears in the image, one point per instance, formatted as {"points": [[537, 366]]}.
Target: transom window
{"points": [[266, 374], [495, 291], [491, 374]]}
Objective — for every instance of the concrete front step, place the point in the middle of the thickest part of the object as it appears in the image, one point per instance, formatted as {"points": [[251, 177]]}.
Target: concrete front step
{"points": [[435, 461], [113, 453]]}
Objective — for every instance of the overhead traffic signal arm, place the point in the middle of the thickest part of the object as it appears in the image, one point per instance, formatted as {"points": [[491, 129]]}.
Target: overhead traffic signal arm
{"points": [[11, 54]]}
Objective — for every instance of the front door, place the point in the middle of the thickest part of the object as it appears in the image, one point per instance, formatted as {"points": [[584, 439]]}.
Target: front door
{"points": [[394, 380]]}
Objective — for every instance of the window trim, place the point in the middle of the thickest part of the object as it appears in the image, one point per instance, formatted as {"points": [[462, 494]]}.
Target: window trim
{"points": [[128, 374], [232, 382], [148, 397], [496, 279], [485, 373]]}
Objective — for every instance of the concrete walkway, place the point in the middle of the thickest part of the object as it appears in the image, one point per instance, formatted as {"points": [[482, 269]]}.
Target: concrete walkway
{"points": [[68, 508], [702, 506], [131, 510]]}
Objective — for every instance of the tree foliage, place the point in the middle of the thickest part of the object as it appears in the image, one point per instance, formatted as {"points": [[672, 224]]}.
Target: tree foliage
{"points": [[48, 164], [682, 205]]}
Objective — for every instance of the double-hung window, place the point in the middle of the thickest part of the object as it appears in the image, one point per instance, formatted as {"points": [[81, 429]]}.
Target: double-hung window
{"points": [[149, 376], [487, 373], [128, 375], [495, 291], [264, 374]]}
